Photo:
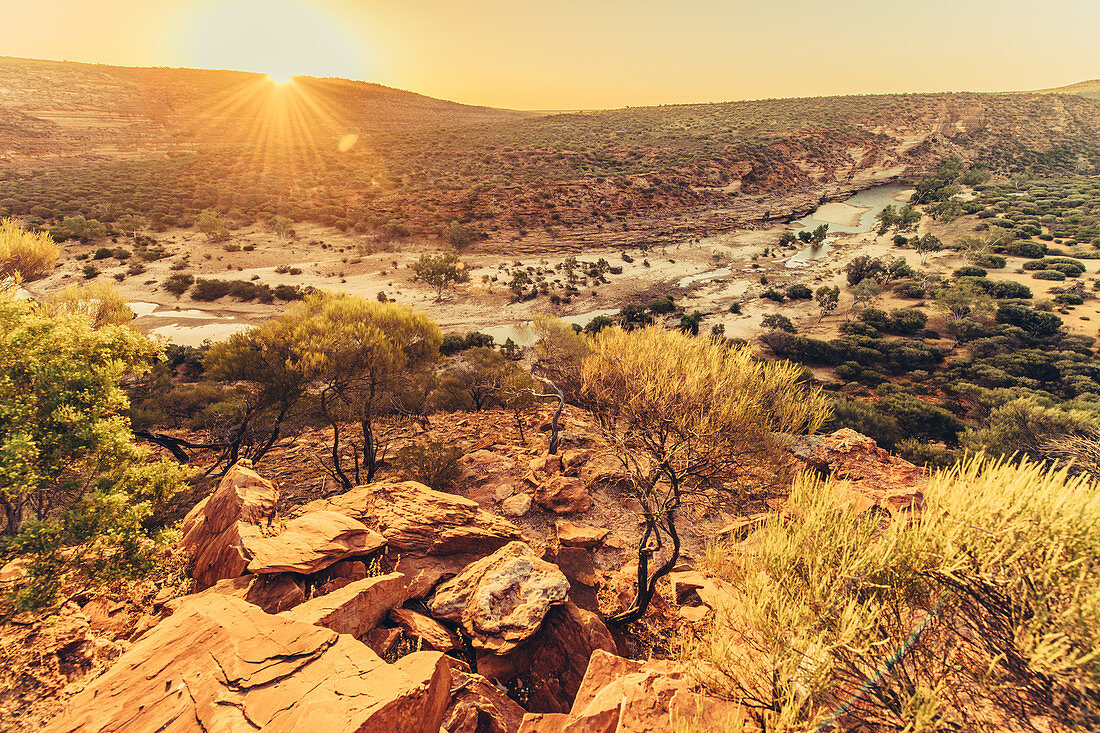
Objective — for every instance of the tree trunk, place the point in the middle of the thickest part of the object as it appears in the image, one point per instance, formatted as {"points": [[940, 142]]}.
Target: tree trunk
{"points": [[370, 450], [647, 586], [13, 512]]}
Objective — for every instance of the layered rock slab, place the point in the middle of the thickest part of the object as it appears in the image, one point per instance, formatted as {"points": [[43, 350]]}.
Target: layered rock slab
{"points": [[311, 543], [501, 600], [355, 608], [214, 531], [220, 663], [416, 519]]}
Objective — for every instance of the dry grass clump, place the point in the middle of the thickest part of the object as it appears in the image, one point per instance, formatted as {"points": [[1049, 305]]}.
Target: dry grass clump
{"points": [[983, 614], [24, 254]]}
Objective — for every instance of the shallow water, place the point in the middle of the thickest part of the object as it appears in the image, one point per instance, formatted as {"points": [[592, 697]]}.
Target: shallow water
{"points": [[873, 199], [703, 277], [809, 255]]}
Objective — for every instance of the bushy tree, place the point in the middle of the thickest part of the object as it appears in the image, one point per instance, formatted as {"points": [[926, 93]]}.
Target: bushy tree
{"points": [[357, 353], [692, 419], [828, 298], [66, 450], [441, 271], [210, 223]]}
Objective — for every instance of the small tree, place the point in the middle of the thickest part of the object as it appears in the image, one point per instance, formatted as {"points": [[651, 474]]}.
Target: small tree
{"points": [[67, 453], [828, 298], [210, 223], [357, 354], [694, 420], [926, 245], [962, 302], [441, 271], [457, 235], [282, 227]]}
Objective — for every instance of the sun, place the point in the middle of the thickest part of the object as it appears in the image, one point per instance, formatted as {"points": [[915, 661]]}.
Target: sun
{"points": [[281, 38]]}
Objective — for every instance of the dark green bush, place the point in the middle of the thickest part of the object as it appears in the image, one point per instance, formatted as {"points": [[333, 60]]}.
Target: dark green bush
{"points": [[433, 464], [1048, 275]]}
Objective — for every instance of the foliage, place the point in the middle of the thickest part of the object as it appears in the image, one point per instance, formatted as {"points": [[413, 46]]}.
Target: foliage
{"points": [[899, 623], [828, 298], [441, 271], [433, 464], [67, 452], [694, 420], [777, 321], [24, 254], [100, 303]]}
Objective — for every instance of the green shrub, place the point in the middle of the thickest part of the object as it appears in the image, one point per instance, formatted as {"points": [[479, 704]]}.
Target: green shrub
{"points": [[1048, 275], [970, 271], [798, 291], [178, 283], [433, 464]]}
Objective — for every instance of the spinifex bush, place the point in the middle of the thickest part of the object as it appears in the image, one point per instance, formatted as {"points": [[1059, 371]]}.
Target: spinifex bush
{"points": [[30, 254], [433, 464], [983, 614]]}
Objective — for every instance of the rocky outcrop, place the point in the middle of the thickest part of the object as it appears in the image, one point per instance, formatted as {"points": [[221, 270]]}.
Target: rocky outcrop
{"points": [[424, 629], [563, 495], [619, 695], [272, 593], [311, 543], [219, 663], [214, 532], [355, 608], [501, 599], [884, 480], [554, 660], [477, 706], [416, 519]]}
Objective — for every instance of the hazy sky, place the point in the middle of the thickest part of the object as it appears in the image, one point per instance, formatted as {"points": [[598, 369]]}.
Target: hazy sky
{"points": [[567, 54]]}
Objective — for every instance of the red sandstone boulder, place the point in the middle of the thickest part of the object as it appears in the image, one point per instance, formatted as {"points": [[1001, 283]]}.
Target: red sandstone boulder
{"points": [[501, 599], [214, 531], [311, 543], [563, 495], [356, 608], [221, 664], [624, 696], [414, 518], [418, 626], [890, 482], [554, 660], [477, 706], [570, 534], [272, 593]]}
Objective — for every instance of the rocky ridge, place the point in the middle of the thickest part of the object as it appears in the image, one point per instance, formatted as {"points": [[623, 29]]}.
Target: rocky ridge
{"points": [[339, 626]]}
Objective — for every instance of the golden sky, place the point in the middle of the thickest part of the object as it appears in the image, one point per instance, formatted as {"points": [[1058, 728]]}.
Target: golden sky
{"points": [[572, 54]]}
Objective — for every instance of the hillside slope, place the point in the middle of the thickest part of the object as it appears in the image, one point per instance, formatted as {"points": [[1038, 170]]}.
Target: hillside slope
{"points": [[1089, 89], [168, 143], [55, 107]]}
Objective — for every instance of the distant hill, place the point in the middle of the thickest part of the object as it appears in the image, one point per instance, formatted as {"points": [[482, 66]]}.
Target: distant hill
{"points": [[167, 143], [1089, 89], [63, 108]]}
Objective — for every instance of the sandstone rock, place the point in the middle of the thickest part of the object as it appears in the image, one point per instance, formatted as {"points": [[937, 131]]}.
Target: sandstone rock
{"points": [[414, 518], [477, 706], [219, 663], [311, 543], [623, 696], [570, 534], [425, 572], [578, 565], [418, 626], [356, 608], [382, 641], [891, 482], [517, 505], [555, 659], [106, 616], [563, 495], [501, 599], [215, 529], [272, 593], [347, 569]]}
